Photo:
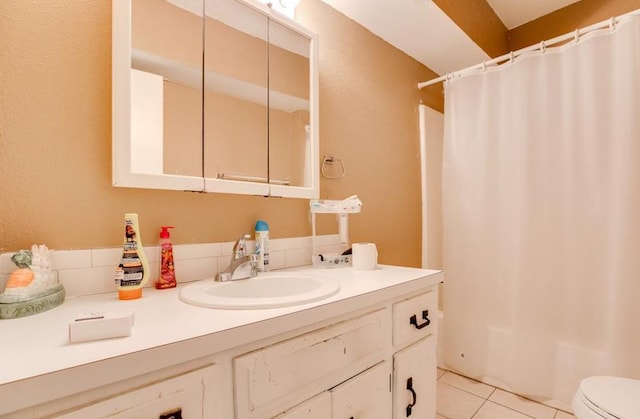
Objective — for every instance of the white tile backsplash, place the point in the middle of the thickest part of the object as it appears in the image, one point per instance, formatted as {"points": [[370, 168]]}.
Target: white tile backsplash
{"points": [[327, 240], [290, 243], [71, 259], [87, 281], [105, 257], [276, 260], [196, 251], [6, 265], [194, 269], [297, 257], [91, 271], [152, 253]]}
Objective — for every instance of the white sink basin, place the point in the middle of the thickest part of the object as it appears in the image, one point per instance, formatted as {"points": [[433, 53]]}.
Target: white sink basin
{"points": [[267, 290]]}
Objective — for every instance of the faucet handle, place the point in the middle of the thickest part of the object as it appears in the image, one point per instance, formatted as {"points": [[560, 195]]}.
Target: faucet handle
{"points": [[240, 248], [253, 261]]}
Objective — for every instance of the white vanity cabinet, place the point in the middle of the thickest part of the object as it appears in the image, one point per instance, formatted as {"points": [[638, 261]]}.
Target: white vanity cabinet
{"points": [[414, 362], [368, 354], [387, 358]]}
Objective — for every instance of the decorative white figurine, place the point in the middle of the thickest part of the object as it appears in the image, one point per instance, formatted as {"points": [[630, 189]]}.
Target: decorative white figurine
{"points": [[33, 287]]}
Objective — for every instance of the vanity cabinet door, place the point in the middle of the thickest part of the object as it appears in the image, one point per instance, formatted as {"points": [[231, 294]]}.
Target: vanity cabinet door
{"points": [[318, 407], [414, 381], [271, 379], [365, 396]]}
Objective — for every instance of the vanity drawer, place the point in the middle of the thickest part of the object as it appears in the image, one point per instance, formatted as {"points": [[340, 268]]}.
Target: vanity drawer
{"points": [[271, 379], [415, 318], [190, 394]]}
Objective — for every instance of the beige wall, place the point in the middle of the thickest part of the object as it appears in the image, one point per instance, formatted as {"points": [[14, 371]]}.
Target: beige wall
{"points": [[55, 135], [55, 139], [165, 30], [478, 20], [235, 136], [575, 16], [182, 130], [369, 120]]}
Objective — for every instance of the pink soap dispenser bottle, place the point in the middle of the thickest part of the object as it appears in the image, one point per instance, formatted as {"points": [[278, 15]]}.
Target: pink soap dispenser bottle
{"points": [[167, 278]]}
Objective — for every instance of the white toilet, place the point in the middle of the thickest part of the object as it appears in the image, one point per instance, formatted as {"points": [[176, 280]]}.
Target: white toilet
{"points": [[607, 397]]}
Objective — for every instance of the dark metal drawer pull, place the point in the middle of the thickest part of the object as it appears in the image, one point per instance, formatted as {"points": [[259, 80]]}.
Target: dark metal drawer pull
{"points": [[413, 395], [425, 316]]}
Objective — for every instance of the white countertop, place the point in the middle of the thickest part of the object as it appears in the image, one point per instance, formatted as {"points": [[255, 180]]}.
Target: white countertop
{"points": [[35, 349]]}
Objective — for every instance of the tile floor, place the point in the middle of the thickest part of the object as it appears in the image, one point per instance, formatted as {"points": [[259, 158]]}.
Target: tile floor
{"points": [[459, 397]]}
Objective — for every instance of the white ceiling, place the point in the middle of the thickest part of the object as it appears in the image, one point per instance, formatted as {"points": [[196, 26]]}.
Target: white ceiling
{"points": [[420, 29], [514, 13]]}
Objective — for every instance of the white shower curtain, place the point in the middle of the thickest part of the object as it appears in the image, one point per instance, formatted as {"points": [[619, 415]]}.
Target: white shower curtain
{"points": [[542, 217]]}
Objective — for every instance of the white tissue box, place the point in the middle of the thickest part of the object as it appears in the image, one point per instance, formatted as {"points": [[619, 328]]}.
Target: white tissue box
{"points": [[100, 325]]}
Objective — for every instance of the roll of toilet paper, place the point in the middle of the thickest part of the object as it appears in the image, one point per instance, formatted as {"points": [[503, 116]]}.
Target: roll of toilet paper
{"points": [[364, 257]]}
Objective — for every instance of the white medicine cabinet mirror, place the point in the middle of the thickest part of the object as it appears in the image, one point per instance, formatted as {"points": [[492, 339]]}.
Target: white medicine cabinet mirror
{"points": [[214, 96]]}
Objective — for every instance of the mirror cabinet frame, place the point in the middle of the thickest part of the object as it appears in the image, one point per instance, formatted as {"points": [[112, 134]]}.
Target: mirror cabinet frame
{"points": [[122, 173]]}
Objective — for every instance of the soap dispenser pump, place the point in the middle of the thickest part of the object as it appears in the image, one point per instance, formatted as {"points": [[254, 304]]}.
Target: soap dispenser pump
{"points": [[167, 278]]}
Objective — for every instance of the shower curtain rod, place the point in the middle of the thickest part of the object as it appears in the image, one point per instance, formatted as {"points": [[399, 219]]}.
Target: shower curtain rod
{"points": [[575, 35]]}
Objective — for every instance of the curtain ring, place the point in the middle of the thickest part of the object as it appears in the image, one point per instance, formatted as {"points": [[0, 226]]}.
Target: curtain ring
{"points": [[612, 24], [543, 47], [484, 66], [511, 56], [576, 36], [450, 77]]}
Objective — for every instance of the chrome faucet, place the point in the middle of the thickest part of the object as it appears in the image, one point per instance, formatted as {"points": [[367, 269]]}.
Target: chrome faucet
{"points": [[242, 266]]}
